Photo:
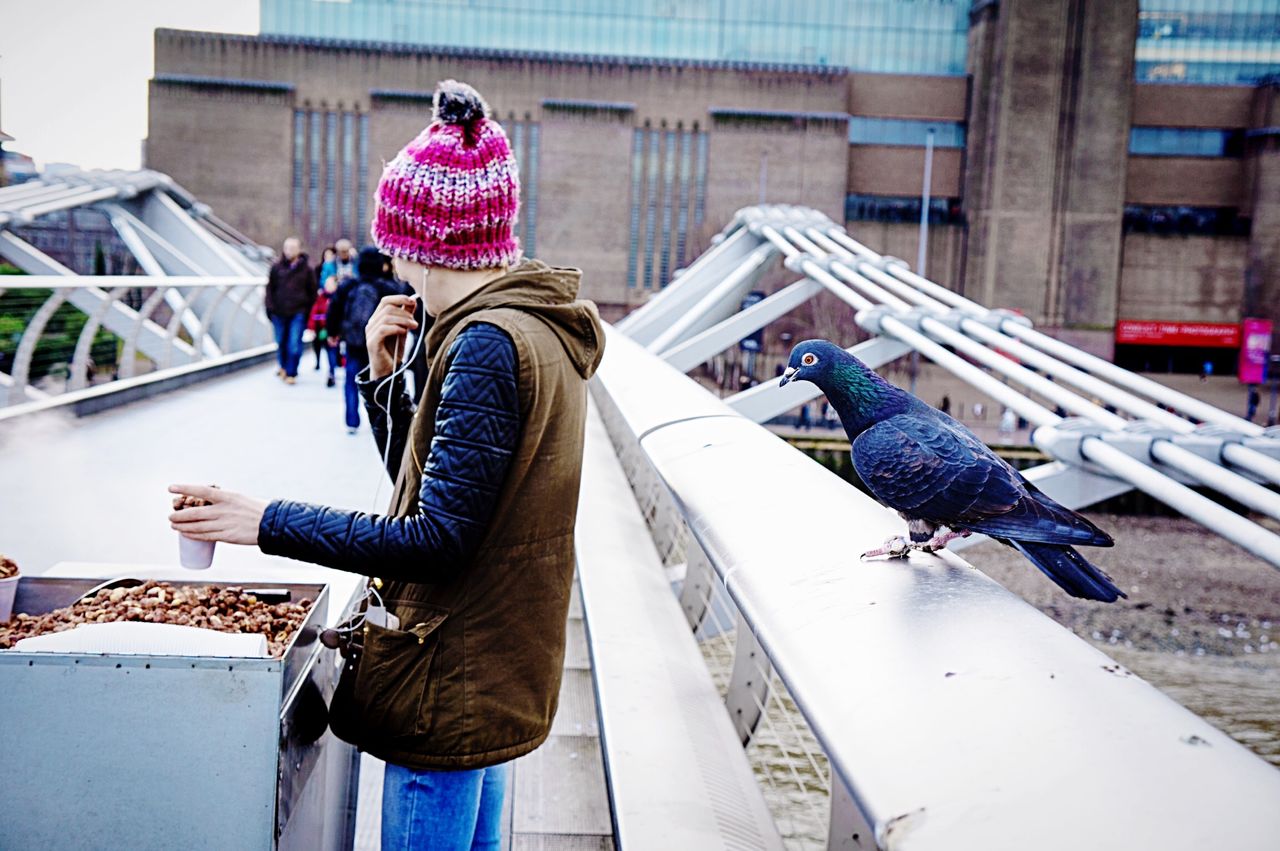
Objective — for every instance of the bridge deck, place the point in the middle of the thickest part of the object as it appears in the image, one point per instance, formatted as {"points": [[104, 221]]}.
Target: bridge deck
{"points": [[93, 490]]}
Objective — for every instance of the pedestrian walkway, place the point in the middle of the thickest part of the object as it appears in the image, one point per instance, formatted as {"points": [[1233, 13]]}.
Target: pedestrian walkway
{"points": [[93, 489]]}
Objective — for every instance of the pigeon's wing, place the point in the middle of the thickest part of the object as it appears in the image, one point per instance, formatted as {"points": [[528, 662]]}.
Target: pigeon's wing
{"points": [[926, 469], [1038, 518]]}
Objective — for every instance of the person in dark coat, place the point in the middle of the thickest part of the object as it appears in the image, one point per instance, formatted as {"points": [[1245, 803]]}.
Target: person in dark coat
{"points": [[291, 290], [350, 310]]}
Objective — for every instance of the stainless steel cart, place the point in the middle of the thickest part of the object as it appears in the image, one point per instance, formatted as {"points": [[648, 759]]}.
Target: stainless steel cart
{"points": [[166, 752]]}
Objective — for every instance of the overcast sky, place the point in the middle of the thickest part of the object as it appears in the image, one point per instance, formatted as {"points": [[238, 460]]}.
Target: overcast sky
{"points": [[73, 73]]}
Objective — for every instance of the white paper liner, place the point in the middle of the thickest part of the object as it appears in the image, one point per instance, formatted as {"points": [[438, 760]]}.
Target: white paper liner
{"points": [[149, 639]]}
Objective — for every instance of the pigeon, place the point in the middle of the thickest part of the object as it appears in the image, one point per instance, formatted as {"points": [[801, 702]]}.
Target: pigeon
{"points": [[943, 480]]}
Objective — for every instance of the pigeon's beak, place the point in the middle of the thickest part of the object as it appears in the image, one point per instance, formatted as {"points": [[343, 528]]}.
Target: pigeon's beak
{"points": [[787, 374]]}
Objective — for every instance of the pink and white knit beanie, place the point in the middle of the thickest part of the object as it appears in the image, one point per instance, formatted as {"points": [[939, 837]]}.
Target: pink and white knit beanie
{"points": [[451, 196]]}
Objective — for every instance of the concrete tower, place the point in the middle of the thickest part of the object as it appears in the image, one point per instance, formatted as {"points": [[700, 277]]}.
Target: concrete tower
{"points": [[1262, 153], [1048, 136]]}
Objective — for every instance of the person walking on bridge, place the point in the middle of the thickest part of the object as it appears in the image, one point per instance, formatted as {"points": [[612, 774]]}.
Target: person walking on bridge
{"points": [[476, 557], [291, 290], [352, 307]]}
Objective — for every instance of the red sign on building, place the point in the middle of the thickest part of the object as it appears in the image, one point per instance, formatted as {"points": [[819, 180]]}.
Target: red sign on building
{"points": [[1254, 351], [1215, 334]]}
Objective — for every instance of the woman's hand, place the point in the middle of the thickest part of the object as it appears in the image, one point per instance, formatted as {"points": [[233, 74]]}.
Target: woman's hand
{"points": [[231, 517], [388, 327]]}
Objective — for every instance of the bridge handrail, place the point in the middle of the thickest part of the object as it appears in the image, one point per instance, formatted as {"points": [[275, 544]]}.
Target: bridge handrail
{"points": [[954, 714], [60, 282], [123, 391], [218, 315]]}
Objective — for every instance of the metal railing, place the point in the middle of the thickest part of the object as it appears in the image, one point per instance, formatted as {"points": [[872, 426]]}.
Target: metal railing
{"points": [[68, 333], [950, 713], [63, 330]]}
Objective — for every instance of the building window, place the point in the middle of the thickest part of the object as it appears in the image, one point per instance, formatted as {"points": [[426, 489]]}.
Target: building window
{"points": [[331, 175], [523, 136], [517, 146], [637, 171], [1185, 142], [362, 192], [669, 173], [299, 161], [348, 176], [522, 167], [1207, 41], [682, 220], [902, 131], [531, 195], [651, 202], [895, 36], [885, 208], [313, 185], [700, 204], [664, 174], [1185, 221]]}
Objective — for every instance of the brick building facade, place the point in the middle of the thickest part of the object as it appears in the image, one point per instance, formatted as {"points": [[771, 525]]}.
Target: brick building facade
{"points": [[629, 166]]}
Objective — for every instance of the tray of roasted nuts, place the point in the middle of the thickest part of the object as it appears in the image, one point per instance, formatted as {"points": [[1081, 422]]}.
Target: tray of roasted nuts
{"points": [[223, 608]]}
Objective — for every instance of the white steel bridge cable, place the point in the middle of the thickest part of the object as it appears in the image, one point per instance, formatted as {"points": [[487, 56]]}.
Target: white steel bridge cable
{"points": [[1090, 363], [798, 262]]}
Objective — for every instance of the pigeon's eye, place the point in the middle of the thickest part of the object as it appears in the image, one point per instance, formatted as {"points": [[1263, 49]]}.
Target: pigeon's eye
{"points": [[809, 359]]}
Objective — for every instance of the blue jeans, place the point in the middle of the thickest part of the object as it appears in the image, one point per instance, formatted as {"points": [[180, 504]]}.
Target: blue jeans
{"points": [[443, 810], [357, 359], [330, 351], [289, 340]]}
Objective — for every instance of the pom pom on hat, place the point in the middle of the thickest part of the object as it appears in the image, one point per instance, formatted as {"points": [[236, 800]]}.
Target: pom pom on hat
{"points": [[458, 103], [451, 197]]}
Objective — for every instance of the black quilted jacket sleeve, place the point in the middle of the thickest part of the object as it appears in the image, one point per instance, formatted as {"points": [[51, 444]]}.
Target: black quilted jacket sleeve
{"points": [[477, 430]]}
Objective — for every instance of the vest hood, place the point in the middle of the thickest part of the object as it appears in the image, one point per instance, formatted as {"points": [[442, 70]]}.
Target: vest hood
{"points": [[547, 292]]}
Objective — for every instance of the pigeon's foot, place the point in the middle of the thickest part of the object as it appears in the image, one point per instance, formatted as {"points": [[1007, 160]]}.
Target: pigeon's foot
{"points": [[895, 547], [899, 547], [941, 538]]}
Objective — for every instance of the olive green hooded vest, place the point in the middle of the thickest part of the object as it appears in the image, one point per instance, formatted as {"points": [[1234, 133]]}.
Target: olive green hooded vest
{"points": [[472, 676]]}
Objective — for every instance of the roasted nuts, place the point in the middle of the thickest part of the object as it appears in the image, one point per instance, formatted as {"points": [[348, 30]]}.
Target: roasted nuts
{"points": [[183, 501], [226, 609], [8, 567]]}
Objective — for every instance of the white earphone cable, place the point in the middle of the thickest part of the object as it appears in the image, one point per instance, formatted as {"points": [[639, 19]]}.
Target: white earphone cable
{"points": [[399, 369]]}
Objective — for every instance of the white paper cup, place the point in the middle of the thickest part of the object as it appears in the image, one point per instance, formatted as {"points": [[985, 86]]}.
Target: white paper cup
{"points": [[8, 589], [194, 555]]}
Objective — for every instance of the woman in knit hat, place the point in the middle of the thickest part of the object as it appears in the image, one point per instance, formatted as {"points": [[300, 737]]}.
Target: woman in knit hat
{"points": [[474, 558]]}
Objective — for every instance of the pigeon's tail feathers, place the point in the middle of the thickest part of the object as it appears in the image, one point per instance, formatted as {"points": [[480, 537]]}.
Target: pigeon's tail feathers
{"points": [[1038, 518], [1071, 571], [1078, 522]]}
